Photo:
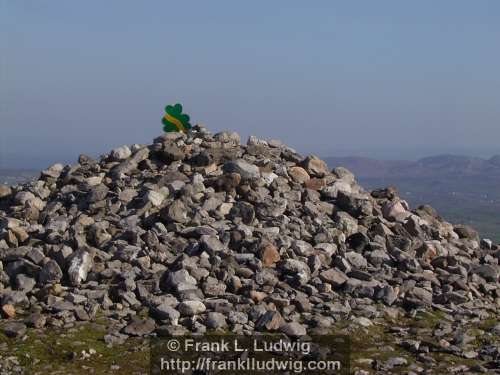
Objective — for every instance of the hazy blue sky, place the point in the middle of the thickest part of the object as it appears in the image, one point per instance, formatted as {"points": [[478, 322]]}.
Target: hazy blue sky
{"points": [[391, 79]]}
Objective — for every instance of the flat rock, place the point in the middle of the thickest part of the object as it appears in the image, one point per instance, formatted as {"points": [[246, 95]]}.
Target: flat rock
{"points": [[140, 327]]}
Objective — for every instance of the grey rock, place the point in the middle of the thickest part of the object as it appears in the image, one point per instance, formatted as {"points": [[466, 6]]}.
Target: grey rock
{"points": [[419, 297], [190, 308], [115, 338], [178, 278], [215, 320], [270, 321], [166, 312], [244, 169], [25, 283], [98, 193], [212, 244], [50, 273], [177, 212], [37, 320], [155, 198], [121, 153], [15, 298], [487, 272], [293, 329], [237, 317], [140, 327], [14, 329], [334, 277], [80, 264], [357, 260]]}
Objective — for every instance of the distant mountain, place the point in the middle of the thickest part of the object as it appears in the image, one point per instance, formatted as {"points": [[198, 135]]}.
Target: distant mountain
{"points": [[447, 165], [463, 189], [16, 176]]}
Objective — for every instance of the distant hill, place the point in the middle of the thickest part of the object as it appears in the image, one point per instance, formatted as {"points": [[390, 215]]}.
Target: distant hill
{"points": [[447, 165], [463, 189], [16, 176]]}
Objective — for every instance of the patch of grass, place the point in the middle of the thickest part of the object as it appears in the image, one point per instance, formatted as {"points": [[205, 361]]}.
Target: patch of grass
{"points": [[61, 350]]}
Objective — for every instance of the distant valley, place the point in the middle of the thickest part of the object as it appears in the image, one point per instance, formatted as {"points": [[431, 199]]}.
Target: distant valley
{"points": [[463, 189]]}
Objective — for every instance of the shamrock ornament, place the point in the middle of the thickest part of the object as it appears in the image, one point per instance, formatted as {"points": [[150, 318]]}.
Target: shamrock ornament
{"points": [[175, 120]]}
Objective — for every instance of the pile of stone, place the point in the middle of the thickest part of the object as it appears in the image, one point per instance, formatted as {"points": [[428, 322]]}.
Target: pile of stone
{"points": [[198, 232]]}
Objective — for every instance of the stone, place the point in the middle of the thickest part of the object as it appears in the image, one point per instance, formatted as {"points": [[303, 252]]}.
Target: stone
{"points": [[50, 273], [211, 244], [121, 153], [166, 312], [270, 321], [191, 308], [37, 320], [8, 311], [171, 153], [487, 272], [465, 231], [155, 198], [302, 248], [333, 277], [346, 223], [5, 191], [269, 255], [16, 298], [25, 283], [332, 191], [98, 193], [14, 329], [395, 211], [237, 317], [215, 320], [115, 338], [23, 197], [80, 264], [246, 170], [179, 278], [257, 296], [315, 166], [177, 212], [419, 297], [357, 260], [486, 244], [54, 171], [299, 174], [395, 361], [293, 329], [140, 327], [388, 295]]}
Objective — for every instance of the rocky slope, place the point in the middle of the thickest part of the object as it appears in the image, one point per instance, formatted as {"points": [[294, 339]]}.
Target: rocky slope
{"points": [[197, 232]]}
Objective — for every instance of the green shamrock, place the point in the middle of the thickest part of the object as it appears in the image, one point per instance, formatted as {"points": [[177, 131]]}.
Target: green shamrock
{"points": [[175, 120]]}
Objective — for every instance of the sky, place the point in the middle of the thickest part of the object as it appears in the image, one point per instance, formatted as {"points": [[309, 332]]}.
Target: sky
{"points": [[383, 79]]}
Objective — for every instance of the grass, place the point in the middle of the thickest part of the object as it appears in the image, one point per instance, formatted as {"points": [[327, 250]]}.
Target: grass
{"points": [[59, 351]]}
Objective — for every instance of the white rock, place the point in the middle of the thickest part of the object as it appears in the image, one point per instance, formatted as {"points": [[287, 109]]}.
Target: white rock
{"points": [[190, 308], [79, 266], [121, 153], [94, 180], [155, 198]]}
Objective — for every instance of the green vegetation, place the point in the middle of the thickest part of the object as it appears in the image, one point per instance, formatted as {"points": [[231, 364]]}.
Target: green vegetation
{"points": [[71, 351]]}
